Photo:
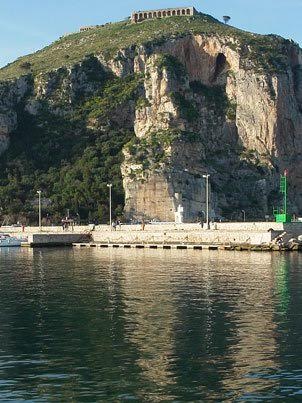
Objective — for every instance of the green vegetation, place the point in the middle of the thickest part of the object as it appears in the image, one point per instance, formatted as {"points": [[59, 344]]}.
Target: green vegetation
{"points": [[116, 92], [172, 65], [142, 102], [68, 161], [265, 52], [187, 108], [151, 151], [154, 150], [231, 110], [216, 98], [243, 188], [25, 65]]}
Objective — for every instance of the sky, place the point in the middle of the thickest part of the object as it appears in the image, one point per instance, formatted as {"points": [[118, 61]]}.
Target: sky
{"points": [[29, 25]]}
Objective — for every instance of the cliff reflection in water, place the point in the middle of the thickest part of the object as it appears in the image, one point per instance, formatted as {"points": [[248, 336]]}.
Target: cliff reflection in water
{"points": [[199, 321], [151, 325]]}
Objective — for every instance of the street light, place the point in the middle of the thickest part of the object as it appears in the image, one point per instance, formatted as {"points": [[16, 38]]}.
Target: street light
{"points": [[40, 211], [110, 203], [243, 212], [202, 218], [207, 199]]}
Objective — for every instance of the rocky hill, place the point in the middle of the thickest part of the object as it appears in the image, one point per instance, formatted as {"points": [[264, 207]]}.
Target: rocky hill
{"points": [[150, 107]]}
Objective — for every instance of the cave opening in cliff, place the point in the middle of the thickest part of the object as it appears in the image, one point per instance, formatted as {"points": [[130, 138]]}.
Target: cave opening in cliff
{"points": [[220, 66]]}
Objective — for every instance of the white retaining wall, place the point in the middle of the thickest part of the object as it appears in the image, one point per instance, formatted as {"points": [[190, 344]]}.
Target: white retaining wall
{"points": [[214, 237]]}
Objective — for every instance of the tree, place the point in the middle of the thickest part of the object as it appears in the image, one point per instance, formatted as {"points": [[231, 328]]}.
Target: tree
{"points": [[25, 65], [226, 18]]}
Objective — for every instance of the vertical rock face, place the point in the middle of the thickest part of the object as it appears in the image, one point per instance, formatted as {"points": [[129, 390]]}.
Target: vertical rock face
{"points": [[224, 116], [169, 175], [11, 94], [205, 104], [8, 122]]}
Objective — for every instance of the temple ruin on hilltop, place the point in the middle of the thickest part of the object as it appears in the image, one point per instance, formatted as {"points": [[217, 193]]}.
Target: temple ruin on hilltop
{"points": [[139, 16]]}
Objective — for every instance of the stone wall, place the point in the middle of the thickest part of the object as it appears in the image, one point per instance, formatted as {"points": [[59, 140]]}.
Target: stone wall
{"points": [[214, 237]]}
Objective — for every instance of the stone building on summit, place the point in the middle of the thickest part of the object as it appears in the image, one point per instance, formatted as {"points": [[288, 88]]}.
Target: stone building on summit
{"points": [[139, 16]]}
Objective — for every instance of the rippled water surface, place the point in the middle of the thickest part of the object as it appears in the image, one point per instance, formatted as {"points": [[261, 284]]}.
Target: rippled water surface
{"points": [[142, 325]]}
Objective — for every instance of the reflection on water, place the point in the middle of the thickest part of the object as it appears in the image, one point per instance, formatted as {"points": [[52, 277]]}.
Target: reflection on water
{"points": [[93, 325]]}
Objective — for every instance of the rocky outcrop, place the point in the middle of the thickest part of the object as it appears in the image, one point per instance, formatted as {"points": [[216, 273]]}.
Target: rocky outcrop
{"points": [[246, 122], [8, 123], [11, 94]]}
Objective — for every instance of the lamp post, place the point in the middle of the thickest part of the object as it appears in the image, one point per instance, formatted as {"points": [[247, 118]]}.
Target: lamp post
{"points": [[243, 212], [40, 211], [207, 199], [110, 204], [203, 218]]}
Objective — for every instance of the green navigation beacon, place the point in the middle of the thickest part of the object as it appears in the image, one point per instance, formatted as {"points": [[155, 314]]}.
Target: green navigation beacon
{"points": [[281, 213]]}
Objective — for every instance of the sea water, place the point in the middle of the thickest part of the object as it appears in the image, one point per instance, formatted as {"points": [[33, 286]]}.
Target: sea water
{"points": [[149, 325]]}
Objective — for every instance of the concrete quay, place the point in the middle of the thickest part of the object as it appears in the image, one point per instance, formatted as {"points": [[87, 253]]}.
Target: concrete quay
{"points": [[220, 234], [174, 237], [226, 235], [54, 239]]}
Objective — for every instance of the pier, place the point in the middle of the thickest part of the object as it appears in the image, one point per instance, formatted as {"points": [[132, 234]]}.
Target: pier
{"points": [[229, 236]]}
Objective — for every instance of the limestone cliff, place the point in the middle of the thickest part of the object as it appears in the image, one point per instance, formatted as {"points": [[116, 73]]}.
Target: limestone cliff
{"points": [[241, 124], [219, 101]]}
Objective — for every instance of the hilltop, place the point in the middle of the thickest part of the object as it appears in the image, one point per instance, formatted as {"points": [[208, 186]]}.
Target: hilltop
{"points": [[106, 41]]}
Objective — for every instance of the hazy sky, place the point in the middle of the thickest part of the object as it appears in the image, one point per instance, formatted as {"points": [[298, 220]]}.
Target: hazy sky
{"points": [[28, 25]]}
